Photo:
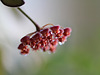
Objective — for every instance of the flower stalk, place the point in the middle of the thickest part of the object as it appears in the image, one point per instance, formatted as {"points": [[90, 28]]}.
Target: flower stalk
{"points": [[36, 25]]}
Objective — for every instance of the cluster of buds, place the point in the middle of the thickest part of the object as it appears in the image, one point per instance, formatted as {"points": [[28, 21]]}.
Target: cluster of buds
{"points": [[46, 39]]}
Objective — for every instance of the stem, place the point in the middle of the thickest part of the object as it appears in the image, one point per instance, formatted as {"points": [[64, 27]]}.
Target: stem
{"points": [[36, 25], [47, 25]]}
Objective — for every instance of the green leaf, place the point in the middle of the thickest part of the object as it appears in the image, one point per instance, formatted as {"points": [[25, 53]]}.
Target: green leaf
{"points": [[13, 3]]}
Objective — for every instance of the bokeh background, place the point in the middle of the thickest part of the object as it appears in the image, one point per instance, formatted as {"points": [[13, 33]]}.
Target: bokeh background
{"points": [[80, 55]]}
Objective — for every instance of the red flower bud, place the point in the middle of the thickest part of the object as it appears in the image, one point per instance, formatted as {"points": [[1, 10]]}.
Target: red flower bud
{"points": [[52, 48], [67, 31], [62, 39], [45, 32], [55, 29], [25, 51], [25, 40]]}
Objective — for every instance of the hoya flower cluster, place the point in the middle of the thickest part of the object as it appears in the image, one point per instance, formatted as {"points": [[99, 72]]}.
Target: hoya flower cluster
{"points": [[45, 39]]}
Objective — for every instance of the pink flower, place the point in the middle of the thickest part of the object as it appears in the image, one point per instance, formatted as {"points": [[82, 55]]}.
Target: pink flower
{"points": [[46, 39]]}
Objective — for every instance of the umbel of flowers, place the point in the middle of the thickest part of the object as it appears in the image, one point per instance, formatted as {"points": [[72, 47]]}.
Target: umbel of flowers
{"points": [[46, 39]]}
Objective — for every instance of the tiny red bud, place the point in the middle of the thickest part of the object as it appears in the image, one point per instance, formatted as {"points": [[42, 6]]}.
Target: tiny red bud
{"points": [[50, 37], [62, 39], [25, 40], [55, 29], [59, 35], [21, 46], [55, 42], [36, 47], [45, 32], [67, 31], [37, 36], [23, 52], [43, 42], [45, 48], [32, 43], [52, 48]]}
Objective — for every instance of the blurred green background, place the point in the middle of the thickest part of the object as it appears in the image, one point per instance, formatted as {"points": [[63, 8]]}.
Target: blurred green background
{"points": [[80, 55]]}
